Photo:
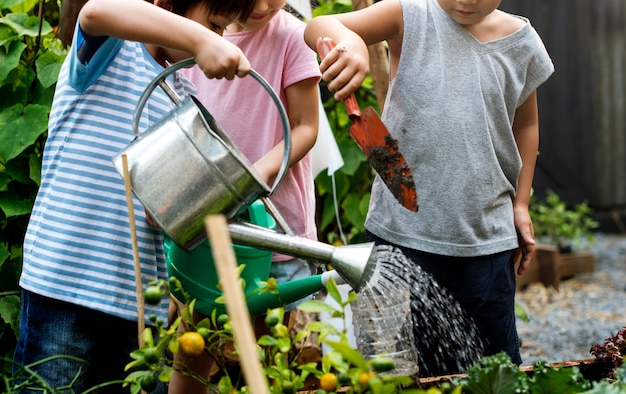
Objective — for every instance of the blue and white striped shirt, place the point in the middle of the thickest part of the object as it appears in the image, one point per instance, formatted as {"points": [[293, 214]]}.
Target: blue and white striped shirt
{"points": [[78, 245]]}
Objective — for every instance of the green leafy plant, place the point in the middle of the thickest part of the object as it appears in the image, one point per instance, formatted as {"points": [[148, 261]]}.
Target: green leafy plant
{"points": [[30, 60], [343, 366], [497, 374], [560, 225], [342, 369]]}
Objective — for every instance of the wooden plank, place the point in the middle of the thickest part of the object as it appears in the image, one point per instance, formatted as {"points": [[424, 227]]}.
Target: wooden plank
{"points": [[576, 263], [591, 369], [226, 266], [550, 267]]}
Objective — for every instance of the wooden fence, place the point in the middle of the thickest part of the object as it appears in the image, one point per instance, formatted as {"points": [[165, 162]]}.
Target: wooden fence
{"points": [[583, 105]]}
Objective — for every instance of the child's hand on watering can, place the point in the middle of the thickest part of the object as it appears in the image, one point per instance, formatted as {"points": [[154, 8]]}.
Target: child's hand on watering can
{"points": [[221, 59]]}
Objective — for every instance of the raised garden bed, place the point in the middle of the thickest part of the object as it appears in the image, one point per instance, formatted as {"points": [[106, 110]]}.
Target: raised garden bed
{"points": [[591, 369], [549, 266]]}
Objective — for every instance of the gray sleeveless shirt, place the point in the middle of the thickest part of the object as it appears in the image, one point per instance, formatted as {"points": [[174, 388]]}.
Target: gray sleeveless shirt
{"points": [[451, 107]]}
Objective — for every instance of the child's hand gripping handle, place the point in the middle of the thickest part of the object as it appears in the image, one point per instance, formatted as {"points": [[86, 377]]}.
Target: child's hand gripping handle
{"points": [[324, 46]]}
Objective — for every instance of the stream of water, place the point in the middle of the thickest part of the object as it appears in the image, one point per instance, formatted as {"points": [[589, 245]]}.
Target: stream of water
{"points": [[400, 295]]}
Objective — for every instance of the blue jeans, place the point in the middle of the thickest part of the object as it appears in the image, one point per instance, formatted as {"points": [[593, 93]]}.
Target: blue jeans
{"points": [[484, 286], [51, 328]]}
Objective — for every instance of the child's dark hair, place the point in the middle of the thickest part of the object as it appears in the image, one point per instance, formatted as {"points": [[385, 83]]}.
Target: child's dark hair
{"points": [[240, 9]]}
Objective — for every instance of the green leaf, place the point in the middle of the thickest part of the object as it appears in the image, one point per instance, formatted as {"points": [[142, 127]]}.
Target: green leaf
{"points": [[520, 312], [500, 380], [353, 356], [554, 380], [18, 170], [41, 95], [323, 183], [136, 354], [353, 156], [315, 306], [147, 336], [11, 59], [328, 212], [497, 374], [24, 6], [12, 205], [48, 66], [311, 368], [10, 312], [334, 359], [5, 4], [26, 25], [301, 335], [324, 328], [284, 344], [34, 165], [166, 374], [272, 373], [4, 253], [355, 208], [20, 127], [4, 182], [267, 340], [333, 291], [7, 35]]}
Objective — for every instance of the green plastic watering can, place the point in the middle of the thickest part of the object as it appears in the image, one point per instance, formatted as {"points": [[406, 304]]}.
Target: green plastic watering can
{"points": [[196, 271]]}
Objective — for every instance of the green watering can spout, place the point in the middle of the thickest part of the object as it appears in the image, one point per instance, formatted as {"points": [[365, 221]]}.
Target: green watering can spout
{"points": [[291, 291]]}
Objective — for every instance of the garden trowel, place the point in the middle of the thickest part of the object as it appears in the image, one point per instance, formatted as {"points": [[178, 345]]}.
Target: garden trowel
{"points": [[379, 146]]}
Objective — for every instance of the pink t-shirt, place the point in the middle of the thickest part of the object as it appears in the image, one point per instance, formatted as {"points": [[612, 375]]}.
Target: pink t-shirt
{"points": [[244, 109]]}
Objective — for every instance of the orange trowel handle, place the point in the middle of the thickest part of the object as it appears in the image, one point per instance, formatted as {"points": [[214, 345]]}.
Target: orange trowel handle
{"points": [[324, 46]]}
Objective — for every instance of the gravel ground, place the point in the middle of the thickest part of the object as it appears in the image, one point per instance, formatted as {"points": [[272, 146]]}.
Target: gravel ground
{"points": [[587, 309]]}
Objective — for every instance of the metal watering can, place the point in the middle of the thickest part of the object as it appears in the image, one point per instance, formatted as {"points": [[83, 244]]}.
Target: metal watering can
{"points": [[186, 167]]}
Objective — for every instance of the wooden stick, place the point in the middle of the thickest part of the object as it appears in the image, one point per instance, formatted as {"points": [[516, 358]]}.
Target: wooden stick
{"points": [[226, 266], [141, 323]]}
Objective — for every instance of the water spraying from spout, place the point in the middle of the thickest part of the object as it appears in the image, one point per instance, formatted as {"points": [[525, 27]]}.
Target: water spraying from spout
{"points": [[447, 341]]}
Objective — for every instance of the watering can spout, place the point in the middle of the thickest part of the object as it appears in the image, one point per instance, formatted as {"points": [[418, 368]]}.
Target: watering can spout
{"points": [[354, 263], [290, 291]]}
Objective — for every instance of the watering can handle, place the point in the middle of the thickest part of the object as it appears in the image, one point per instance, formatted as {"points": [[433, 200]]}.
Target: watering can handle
{"points": [[160, 80]]}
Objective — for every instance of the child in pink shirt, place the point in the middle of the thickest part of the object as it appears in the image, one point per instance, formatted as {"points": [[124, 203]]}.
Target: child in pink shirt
{"points": [[272, 39]]}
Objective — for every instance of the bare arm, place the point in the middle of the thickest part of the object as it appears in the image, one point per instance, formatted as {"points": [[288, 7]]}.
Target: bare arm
{"points": [[302, 110], [118, 18], [526, 132], [348, 64]]}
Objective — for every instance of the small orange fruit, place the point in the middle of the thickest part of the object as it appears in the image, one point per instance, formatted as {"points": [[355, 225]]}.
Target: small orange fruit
{"points": [[364, 377], [329, 382], [191, 344]]}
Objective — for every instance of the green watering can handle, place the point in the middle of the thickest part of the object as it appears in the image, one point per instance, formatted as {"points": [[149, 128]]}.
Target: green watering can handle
{"points": [[258, 214], [160, 80]]}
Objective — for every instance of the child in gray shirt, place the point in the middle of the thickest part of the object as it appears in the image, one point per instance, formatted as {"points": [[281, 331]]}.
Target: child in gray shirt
{"points": [[462, 104]]}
